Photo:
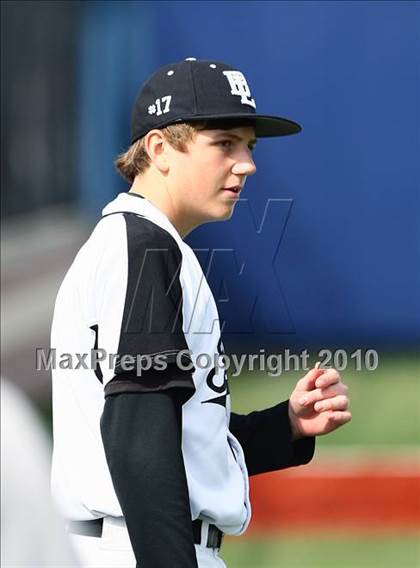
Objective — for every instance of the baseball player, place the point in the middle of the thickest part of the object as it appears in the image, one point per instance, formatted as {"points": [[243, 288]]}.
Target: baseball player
{"points": [[150, 465]]}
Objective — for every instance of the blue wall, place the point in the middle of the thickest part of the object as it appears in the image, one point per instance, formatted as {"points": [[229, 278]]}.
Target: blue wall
{"points": [[337, 260]]}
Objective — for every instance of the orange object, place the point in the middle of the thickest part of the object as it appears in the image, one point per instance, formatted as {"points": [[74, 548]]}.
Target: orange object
{"points": [[376, 494]]}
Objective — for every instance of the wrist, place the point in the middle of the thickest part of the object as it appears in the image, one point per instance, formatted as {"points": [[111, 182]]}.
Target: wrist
{"points": [[294, 429]]}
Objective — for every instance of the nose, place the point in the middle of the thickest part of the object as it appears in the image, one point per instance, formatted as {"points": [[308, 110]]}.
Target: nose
{"points": [[244, 164]]}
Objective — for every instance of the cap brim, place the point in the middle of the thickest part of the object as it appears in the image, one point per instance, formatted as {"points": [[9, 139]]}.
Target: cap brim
{"points": [[268, 126], [265, 126]]}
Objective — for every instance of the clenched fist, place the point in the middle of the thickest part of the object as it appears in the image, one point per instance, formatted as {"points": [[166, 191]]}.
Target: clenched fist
{"points": [[319, 404]]}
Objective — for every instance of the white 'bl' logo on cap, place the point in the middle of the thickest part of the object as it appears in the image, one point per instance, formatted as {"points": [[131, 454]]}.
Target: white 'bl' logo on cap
{"points": [[239, 87]]}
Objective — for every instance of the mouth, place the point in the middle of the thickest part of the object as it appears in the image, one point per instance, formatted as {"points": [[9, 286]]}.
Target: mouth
{"points": [[234, 190]]}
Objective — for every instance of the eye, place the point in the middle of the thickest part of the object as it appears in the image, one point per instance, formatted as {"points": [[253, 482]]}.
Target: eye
{"points": [[227, 144]]}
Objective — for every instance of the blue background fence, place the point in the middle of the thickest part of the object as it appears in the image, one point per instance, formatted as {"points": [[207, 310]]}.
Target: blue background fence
{"points": [[337, 257]]}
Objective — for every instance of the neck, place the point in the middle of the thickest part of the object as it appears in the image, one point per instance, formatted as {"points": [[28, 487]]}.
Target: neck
{"points": [[162, 199]]}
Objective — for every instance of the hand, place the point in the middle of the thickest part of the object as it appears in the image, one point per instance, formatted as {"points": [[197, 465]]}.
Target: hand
{"points": [[319, 404]]}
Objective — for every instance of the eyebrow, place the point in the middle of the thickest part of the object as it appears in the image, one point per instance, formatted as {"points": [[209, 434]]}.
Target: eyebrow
{"points": [[252, 142]]}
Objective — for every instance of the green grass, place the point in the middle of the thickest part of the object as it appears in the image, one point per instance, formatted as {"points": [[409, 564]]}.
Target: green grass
{"points": [[321, 552], [385, 403]]}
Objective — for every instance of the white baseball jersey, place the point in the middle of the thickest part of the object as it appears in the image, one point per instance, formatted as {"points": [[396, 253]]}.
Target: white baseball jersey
{"points": [[136, 288]]}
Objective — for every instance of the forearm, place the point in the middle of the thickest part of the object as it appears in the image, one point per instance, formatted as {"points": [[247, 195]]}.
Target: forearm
{"points": [[268, 441], [142, 440]]}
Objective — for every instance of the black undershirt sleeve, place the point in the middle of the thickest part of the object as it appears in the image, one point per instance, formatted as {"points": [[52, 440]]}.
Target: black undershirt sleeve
{"points": [[266, 439], [141, 433]]}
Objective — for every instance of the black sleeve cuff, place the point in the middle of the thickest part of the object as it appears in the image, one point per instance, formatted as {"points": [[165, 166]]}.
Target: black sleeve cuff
{"points": [[266, 439], [153, 381], [303, 449]]}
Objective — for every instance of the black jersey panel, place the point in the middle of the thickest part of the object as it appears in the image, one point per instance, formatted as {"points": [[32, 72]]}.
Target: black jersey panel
{"points": [[152, 334]]}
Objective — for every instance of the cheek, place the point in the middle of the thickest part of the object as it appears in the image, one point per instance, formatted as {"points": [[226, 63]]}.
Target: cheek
{"points": [[200, 177]]}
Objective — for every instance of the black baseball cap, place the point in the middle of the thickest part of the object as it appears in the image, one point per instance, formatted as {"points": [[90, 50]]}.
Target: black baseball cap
{"points": [[201, 90]]}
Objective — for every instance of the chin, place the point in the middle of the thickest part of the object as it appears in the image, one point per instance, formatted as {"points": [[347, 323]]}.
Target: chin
{"points": [[224, 214]]}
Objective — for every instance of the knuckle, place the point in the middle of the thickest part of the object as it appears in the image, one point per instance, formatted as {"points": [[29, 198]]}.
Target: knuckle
{"points": [[329, 392], [318, 395], [344, 417], [322, 405], [341, 390], [332, 377], [338, 404], [344, 402], [335, 375]]}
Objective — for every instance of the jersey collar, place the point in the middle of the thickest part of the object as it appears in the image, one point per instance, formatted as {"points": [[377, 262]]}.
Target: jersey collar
{"points": [[134, 203]]}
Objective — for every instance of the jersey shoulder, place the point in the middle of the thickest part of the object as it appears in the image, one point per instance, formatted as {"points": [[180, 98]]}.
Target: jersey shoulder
{"points": [[138, 231]]}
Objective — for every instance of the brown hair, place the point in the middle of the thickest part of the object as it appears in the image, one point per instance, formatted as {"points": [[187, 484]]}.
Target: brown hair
{"points": [[136, 160]]}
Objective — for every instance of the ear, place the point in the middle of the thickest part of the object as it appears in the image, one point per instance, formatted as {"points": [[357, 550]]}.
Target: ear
{"points": [[155, 145]]}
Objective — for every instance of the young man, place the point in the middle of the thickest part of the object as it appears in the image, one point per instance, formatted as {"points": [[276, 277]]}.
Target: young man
{"points": [[149, 464]]}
